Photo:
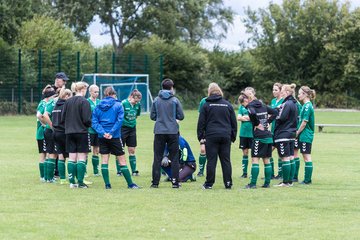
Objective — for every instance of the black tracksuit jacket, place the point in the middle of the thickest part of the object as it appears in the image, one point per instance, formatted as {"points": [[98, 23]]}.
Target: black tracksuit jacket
{"points": [[286, 121], [217, 119], [259, 113], [58, 126], [76, 115]]}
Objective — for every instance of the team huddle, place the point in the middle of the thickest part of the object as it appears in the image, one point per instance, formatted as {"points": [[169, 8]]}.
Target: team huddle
{"points": [[69, 126]]}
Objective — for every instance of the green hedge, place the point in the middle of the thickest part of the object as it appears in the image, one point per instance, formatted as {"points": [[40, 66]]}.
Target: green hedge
{"points": [[11, 108]]}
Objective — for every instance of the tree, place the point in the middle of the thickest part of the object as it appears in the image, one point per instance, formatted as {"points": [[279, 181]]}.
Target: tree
{"points": [[188, 20], [290, 42]]}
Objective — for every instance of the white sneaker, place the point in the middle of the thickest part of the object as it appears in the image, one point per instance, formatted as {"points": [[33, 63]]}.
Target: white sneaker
{"points": [[42, 180], [282, 185], [73, 185]]}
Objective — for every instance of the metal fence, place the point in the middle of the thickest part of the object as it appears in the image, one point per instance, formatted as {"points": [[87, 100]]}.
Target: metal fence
{"points": [[23, 74]]}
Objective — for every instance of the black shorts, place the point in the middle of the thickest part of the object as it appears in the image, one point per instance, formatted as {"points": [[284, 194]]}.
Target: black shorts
{"points": [[261, 150], [128, 136], [49, 140], [284, 148], [60, 143], [296, 144], [305, 147], [111, 146], [41, 146], [245, 143], [78, 143], [94, 139]]}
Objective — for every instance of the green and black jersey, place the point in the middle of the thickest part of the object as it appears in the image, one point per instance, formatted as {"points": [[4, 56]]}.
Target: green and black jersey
{"points": [[307, 114], [274, 104], [40, 128], [49, 108], [246, 128], [93, 105], [131, 112]]}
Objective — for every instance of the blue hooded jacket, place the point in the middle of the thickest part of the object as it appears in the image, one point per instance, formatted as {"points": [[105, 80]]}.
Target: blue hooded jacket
{"points": [[107, 117]]}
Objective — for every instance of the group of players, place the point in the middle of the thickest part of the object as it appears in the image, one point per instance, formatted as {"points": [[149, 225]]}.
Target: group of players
{"points": [[292, 129], [69, 125]]}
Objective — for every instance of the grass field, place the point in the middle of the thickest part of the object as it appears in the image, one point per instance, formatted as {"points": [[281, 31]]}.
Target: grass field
{"points": [[328, 209]]}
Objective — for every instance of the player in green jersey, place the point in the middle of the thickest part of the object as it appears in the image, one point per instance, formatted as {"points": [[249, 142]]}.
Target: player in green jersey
{"points": [[246, 137], [48, 94], [94, 140], [276, 102], [132, 109], [306, 129], [297, 147], [202, 155]]}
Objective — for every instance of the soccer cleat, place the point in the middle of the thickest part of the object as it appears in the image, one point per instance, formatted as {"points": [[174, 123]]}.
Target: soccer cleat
{"points": [[282, 185], [108, 186], [42, 180], [154, 186], [244, 175], [266, 185], [205, 187], [97, 175], [82, 185], [119, 174], [290, 184], [133, 186], [200, 174], [176, 185], [51, 181], [63, 181], [277, 177], [135, 173], [250, 186], [305, 183], [73, 185]]}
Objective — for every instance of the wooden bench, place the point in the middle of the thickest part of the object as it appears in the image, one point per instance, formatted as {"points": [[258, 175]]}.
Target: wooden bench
{"points": [[322, 125]]}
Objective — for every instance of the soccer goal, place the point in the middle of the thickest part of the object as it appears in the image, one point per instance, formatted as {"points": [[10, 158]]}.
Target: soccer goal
{"points": [[123, 84]]}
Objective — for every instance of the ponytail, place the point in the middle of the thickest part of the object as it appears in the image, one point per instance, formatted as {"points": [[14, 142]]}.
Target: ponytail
{"points": [[310, 92]]}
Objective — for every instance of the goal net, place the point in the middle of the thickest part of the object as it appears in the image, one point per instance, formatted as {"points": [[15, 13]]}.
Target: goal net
{"points": [[123, 84]]}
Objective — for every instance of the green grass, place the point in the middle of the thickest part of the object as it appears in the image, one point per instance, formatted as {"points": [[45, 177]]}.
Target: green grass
{"points": [[328, 209]]}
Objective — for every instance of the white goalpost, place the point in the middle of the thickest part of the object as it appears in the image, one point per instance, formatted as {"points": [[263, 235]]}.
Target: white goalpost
{"points": [[123, 84]]}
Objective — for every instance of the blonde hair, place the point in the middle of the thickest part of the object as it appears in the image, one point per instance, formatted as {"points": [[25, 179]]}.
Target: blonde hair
{"points": [[309, 92], [65, 93], [279, 85], [214, 89], [289, 88], [92, 87], [250, 93], [78, 86]]}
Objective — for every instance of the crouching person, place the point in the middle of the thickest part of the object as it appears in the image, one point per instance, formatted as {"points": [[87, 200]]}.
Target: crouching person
{"points": [[186, 160], [107, 119]]}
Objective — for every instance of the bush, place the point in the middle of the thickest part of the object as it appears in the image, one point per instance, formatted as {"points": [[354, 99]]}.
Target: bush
{"points": [[11, 108], [332, 100]]}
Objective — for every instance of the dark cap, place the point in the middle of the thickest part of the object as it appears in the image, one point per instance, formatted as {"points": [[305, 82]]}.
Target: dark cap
{"points": [[62, 76]]}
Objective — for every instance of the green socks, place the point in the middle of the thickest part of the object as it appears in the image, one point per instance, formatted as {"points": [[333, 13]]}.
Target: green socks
{"points": [[41, 168], [95, 163], [81, 169], [268, 171], [297, 166], [61, 167], [45, 169], [292, 170], [286, 168], [279, 167], [126, 173], [272, 166], [50, 168], [132, 160], [118, 170], [245, 162], [202, 161], [105, 173], [254, 173], [308, 172], [72, 171]]}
